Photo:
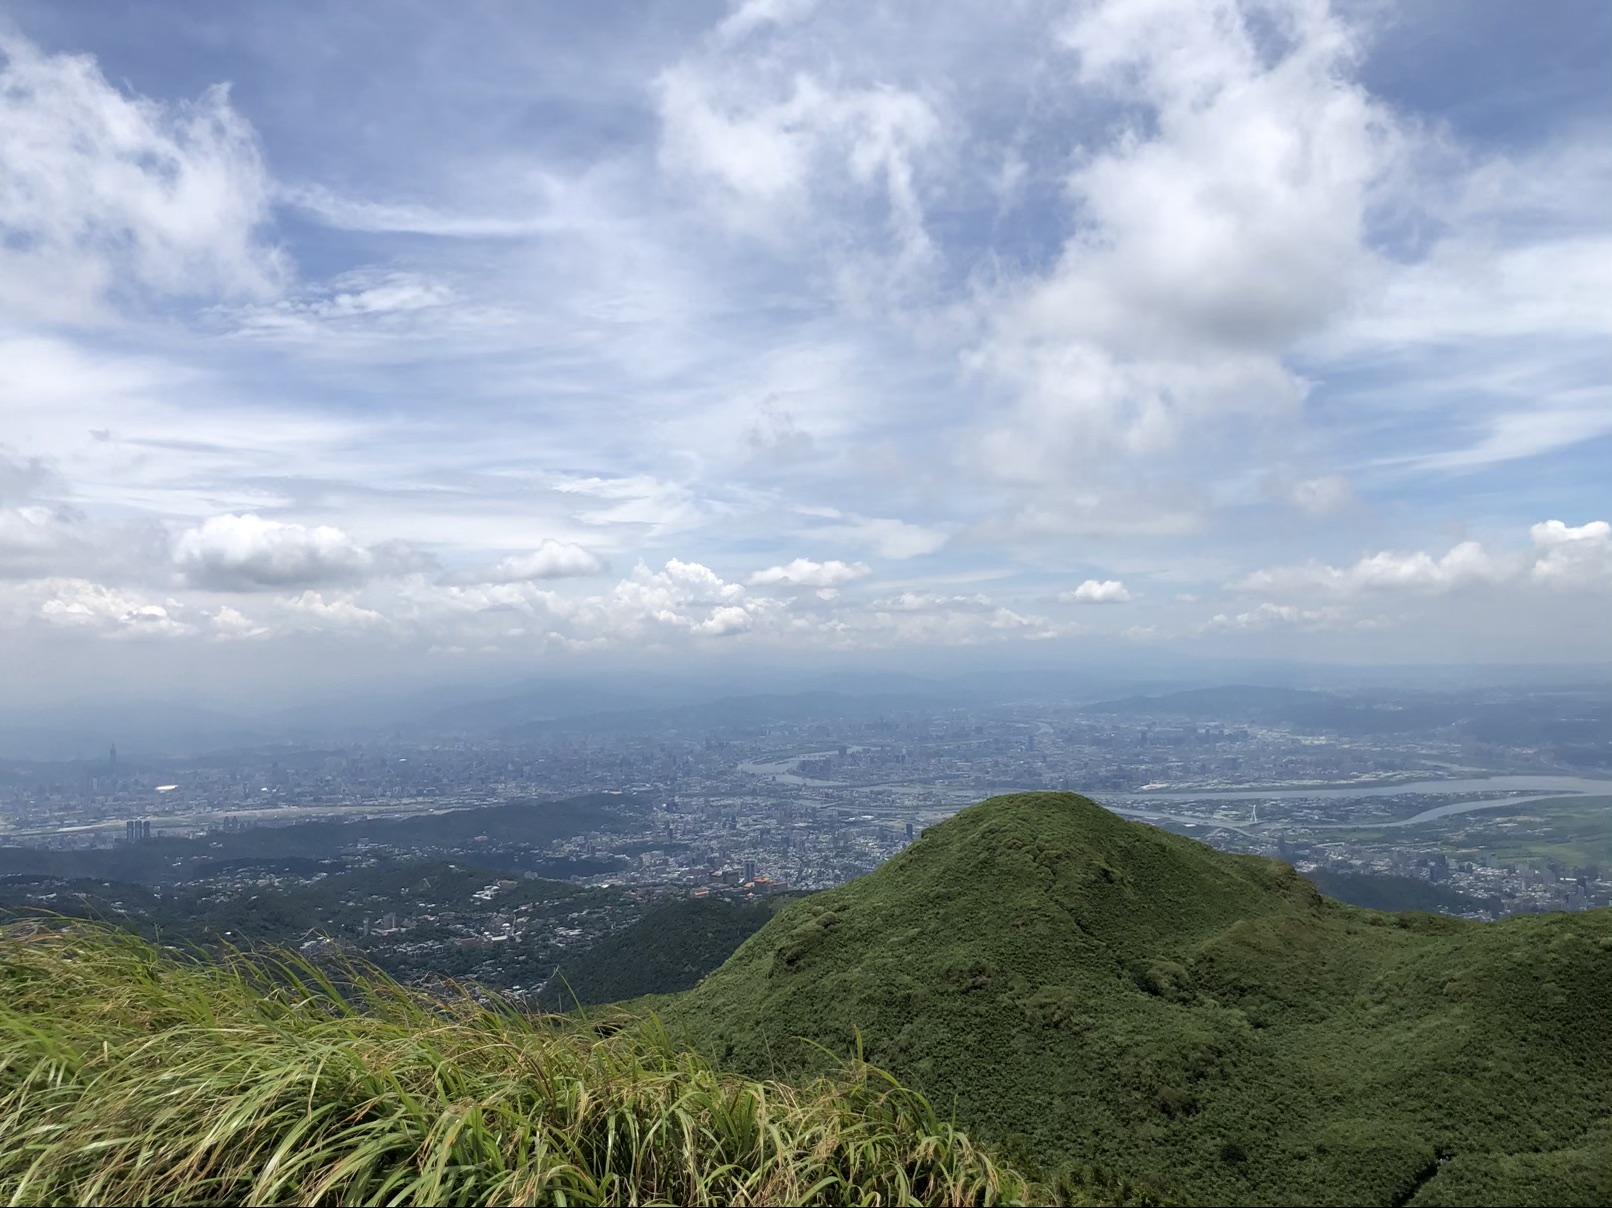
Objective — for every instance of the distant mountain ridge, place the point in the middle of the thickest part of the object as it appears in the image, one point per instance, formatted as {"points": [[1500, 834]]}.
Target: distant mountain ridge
{"points": [[1244, 701], [1080, 988], [736, 711]]}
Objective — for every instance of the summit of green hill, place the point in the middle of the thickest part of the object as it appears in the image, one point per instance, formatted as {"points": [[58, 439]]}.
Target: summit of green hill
{"points": [[1085, 990]]}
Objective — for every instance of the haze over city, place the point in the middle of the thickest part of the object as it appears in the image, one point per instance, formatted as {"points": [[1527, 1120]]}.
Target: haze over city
{"points": [[339, 344]]}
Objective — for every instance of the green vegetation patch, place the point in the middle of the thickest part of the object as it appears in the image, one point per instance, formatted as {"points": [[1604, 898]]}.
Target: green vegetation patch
{"points": [[668, 950], [130, 1077], [1572, 832], [1569, 831], [1078, 989]]}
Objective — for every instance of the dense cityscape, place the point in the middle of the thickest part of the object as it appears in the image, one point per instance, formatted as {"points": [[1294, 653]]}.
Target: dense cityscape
{"points": [[746, 799]]}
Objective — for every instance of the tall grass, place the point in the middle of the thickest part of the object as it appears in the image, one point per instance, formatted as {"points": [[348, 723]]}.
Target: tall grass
{"points": [[128, 1076]]}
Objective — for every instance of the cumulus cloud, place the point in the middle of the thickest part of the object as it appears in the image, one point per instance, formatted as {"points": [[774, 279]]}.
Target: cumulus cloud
{"points": [[725, 620], [1564, 556], [249, 553], [312, 610], [1271, 616], [1569, 557], [803, 572], [1217, 232], [232, 625], [1465, 564], [914, 601], [108, 611], [1108, 591], [550, 560], [102, 192]]}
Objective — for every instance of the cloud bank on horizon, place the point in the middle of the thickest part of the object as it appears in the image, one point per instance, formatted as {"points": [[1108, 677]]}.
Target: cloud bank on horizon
{"points": [[1270, 326]]}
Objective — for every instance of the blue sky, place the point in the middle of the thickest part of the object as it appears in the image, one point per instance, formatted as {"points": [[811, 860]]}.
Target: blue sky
{"points": [[503, 335]]}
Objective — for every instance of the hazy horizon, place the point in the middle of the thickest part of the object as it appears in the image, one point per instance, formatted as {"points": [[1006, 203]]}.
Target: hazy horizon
{"points": [[354, 351]]}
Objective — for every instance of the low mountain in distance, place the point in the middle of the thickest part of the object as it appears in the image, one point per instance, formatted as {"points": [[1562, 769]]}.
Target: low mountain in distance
{"points": [[1077, 988], [736, 712], [1572, 724], [1248, 702]]}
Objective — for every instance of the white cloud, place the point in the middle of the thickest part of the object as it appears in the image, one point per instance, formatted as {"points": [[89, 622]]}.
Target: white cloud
{"points": [[1527, 253], [753, 15], [663, 507], [349, 214], [1108, 591], [723, 621], [912, 601], [107, 611], [312, 610], [1271, 616], [1465, 564], [785, 147], [550, 560], [1529, 430], [1564, 556], [1208, 238], [231, 625], [803, 572], [1570, 557], [249, 553], [103, 194]]}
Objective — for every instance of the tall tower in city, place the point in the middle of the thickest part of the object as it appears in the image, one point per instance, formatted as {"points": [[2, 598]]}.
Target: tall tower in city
{"points": [[112, 759]]}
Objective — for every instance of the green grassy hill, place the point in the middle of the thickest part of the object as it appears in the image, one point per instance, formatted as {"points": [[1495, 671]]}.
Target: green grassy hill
{"points": [[130, 1077], [670, 949], [1080, 988]]}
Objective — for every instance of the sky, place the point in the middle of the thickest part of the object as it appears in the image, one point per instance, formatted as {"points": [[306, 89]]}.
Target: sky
{"points": [[496, 337]]}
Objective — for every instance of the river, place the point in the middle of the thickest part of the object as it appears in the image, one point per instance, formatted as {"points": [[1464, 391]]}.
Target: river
{"points": [[1534, 788]]}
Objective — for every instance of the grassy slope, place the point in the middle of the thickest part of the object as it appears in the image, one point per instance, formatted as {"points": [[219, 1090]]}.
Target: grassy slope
{"points": [[127, 1077], [1083, 988], [668, 950]]}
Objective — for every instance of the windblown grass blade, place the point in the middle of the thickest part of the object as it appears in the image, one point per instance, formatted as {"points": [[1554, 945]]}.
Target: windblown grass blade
{"points": [[132, 1076]]}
